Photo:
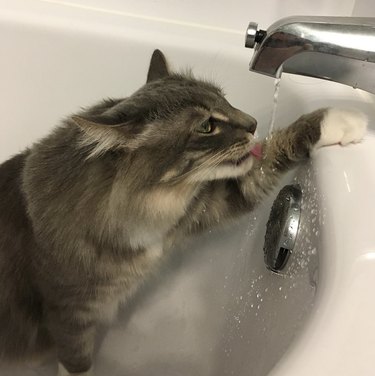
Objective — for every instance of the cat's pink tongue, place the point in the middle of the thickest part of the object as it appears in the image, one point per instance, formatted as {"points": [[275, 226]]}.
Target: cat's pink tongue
{"points": [[256, 151]]}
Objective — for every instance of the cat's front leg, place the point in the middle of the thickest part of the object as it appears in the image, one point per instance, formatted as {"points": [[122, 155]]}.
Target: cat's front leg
{"points": [[73, 331], [289, 146], [322, 127]]}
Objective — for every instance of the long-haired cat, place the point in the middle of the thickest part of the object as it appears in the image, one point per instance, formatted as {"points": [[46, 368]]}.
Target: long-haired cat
{"points": [[89, 211]]}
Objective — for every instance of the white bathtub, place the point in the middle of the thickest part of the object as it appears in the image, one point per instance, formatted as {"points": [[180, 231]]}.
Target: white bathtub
{"points": [[215, 309]]}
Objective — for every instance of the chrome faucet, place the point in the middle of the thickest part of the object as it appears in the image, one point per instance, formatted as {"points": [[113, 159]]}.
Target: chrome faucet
{"points": [[340, 49]]}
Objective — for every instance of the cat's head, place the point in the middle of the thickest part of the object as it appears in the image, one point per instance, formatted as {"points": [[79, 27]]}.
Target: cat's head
{"points": [[176, 126]]}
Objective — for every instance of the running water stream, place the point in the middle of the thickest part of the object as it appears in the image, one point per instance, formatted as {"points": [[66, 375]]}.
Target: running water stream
{"points": [[274, 108]]}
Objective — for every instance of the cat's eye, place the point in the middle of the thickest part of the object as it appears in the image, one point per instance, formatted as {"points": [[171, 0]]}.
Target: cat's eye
{"points": [[205, 127]]}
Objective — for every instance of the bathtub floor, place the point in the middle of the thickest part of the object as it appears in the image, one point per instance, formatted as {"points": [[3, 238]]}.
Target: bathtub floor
{"points": [[214, 309]]}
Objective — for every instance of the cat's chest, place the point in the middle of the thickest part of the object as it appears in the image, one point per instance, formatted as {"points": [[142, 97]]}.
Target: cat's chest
{"points": [[168, 204], [122, 281], [161, 210]]}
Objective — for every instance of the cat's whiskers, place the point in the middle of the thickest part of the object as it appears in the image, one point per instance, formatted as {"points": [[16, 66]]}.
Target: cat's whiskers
{"points": [[192, 171], [208, 166], [214, 160]]}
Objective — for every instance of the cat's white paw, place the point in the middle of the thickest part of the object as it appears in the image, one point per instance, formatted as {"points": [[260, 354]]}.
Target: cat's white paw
{"points": [[342, 127]]}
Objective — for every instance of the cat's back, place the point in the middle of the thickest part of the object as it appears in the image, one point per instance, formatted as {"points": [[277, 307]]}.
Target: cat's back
{"points": [[15, 229], [19, 306], [12, 205]]}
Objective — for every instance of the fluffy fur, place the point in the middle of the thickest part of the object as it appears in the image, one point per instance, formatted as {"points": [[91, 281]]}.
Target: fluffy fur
{"points": [[89, 211]]}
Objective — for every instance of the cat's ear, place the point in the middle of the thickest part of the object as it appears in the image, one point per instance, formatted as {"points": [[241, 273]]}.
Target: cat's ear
{"points": [[107, 137], [93, 127], [103, 136], [158, 67], [82, 123]]}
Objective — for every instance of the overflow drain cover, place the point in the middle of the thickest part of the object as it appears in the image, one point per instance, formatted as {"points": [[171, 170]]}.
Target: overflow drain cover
{"points": [[282, 227]]}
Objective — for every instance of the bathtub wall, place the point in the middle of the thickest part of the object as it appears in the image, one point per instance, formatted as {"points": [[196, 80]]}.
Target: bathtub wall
{"points": [[57, 56], [233, 15]]}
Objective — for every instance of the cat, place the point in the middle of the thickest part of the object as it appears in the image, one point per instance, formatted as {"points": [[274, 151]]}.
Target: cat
{"points": [[93, 208]]}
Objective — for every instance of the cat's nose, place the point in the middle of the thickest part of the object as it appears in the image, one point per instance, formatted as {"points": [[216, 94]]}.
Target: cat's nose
{"points": [[251, 126], [245, 120], [249, 123]]}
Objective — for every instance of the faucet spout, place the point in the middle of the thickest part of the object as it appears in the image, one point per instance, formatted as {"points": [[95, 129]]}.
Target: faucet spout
{"points": [[340, 49]]}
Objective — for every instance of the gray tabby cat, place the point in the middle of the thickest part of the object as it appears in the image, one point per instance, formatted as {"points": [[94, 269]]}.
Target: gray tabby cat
{"points": [[89, 211]]}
